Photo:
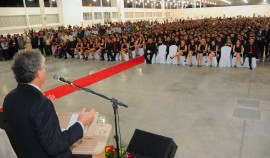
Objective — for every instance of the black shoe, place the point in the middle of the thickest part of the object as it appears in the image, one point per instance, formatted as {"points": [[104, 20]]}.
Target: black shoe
{"points": [[190, 65], [234, 66], [65, 57], [210, 65], [250, 68], [241, 64], [171, 57]]}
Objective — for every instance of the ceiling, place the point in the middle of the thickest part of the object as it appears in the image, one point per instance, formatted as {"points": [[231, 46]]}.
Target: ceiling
{"points": [[237, 2], [222, 3]]}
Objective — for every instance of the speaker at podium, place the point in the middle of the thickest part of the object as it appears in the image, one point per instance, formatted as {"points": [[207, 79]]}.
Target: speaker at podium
{"points": [[148, 145]]}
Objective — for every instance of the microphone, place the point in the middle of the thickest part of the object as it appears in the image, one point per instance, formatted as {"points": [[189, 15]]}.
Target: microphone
{"points": [[57, 76]]}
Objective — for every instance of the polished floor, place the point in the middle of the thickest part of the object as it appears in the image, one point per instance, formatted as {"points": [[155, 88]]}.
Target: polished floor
{"points": [[209, 112]]}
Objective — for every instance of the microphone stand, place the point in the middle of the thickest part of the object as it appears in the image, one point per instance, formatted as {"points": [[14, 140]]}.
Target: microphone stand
{"points": [[115, 104]]}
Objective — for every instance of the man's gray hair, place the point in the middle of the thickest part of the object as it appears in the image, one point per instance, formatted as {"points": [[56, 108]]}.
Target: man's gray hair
{"points": [[25, 65]]}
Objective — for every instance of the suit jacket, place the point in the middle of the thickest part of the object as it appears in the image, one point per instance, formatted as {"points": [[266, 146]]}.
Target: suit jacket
{"points": [[255, 49], [35, 127], [68, 46], [150, 47]]}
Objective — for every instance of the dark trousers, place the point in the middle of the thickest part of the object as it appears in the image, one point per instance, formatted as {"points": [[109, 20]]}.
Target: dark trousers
{"points": [[6, 54], [218, 56], [62, 53], [266, 47], [110, 55], [41, 48], [261, 48], [148, 57], [250, 56], [103, 53], [115, 52], [167, 50], [48, 49]]}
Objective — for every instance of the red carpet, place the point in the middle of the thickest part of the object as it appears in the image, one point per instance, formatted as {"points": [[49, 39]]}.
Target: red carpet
{"points": [[98, 76]]}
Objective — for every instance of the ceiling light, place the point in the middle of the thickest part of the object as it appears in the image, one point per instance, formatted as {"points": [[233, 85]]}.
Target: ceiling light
{"points": [[228, 2], [245, 1]]}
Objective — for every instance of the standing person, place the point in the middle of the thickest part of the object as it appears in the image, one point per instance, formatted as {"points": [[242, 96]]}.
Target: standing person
{"points": [[21, 43], [48, 45], [5, 48], [251, 50], [31, 116], [28, 43], [260, 41], [266, 39], [41, 43], [13, 47]]}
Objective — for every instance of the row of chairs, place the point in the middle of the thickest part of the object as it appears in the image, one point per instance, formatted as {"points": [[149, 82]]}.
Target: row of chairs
{"points": [[118, 56], [226, 59]]}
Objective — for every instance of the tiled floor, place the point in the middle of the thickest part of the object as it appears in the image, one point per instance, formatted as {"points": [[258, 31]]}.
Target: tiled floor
{"points": [[194, 106]]}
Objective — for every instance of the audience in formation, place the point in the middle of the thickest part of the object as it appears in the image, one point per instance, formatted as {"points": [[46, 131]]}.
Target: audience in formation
{"points": [[247, 37]]}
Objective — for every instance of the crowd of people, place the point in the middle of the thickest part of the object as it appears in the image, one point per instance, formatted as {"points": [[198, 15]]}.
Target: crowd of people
{"points": [[202, 37]]}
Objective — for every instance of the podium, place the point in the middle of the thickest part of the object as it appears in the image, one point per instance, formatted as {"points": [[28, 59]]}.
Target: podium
{"points": [[94, 145]]}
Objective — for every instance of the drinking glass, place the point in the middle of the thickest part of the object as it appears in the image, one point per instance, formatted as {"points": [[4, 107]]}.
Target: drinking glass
{"points": [[101, 122]]}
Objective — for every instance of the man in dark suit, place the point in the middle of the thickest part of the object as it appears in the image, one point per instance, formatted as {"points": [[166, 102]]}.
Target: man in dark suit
{"points": [[115, 47], [149, 50], [266, 39], [109, 49], [251, 50], [34, 40], [260, 41], [31, 116]]}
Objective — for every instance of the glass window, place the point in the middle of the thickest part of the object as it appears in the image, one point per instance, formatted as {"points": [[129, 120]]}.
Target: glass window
{"points": [[50, 3], [128, 3], [139, 4], [98, 15], [87, 3], [147, 4], [115, 15], [11, 3], [106, 3], [32, 3], [87, 16], [158, 5]]}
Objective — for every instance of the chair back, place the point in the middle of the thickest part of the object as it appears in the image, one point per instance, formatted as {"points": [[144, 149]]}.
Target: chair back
{"points": [[173, 50], [162, 50], [226, 51]]}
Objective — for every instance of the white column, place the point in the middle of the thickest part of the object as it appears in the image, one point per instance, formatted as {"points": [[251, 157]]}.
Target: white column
{"points": [[26, 14], [70, 12], [121, 13], [163, 9], [60, 12], [182, 4], [51, 3], [43, 14], [200, 3], [102, 13]]}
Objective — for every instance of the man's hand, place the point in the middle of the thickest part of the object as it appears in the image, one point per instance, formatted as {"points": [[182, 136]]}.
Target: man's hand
{"points": [[86, 117]]}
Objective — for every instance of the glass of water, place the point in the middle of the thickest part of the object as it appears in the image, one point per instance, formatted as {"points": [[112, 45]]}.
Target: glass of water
{"points": [[101, 123]]}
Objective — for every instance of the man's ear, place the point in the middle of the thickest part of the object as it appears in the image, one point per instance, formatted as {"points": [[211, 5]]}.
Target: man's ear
{"points": [[38, 73]]}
